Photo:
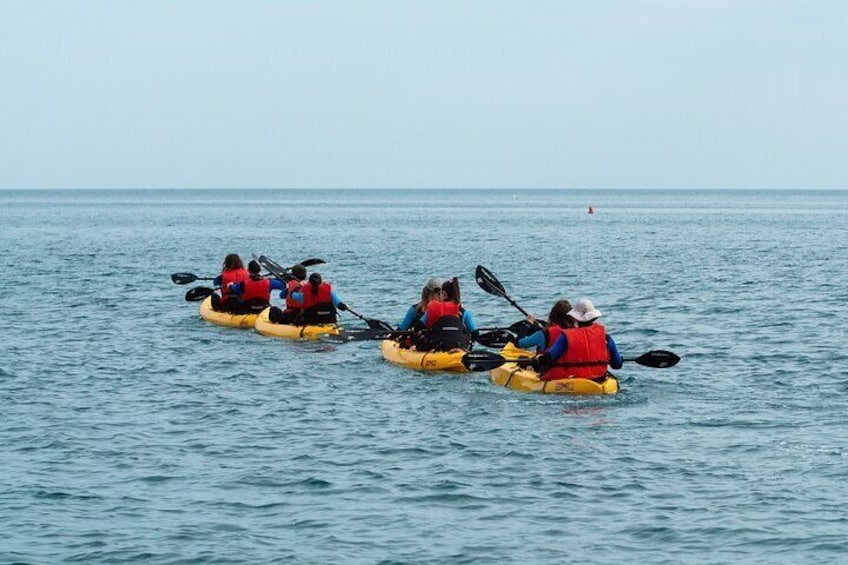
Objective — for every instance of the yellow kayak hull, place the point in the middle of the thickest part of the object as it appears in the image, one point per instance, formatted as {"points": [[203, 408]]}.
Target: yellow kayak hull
{"points": [[225, 319], [288, 331], [423, 360], [512, 376]]}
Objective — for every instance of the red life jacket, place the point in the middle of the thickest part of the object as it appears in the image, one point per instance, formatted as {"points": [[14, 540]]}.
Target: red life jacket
{"points": [[230, 277], [587, 355], [310, 298], [291, 303], [552, 333], [437, 309], [256, 290]]}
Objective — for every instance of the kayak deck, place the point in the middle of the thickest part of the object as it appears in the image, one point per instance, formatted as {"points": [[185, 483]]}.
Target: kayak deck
{"points": [[225, 318], [423, 360], [265, 326], [510, 375]]}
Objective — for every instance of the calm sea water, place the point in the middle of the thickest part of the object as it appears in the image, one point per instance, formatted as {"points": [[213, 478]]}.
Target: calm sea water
{"points": [[132, 430]]}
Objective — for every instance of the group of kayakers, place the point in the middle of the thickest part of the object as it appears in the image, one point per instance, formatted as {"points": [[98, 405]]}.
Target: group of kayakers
{"points": [[309, 301], [572, 343]]}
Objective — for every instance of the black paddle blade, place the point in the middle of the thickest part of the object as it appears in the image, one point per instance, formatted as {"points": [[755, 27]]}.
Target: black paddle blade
{"points": [[199, 293], [488, 281], [495, 338], [476, 361], [183, 278], [657, 359], [359, 334], [379, 325], [272, 267], [312, 262]]}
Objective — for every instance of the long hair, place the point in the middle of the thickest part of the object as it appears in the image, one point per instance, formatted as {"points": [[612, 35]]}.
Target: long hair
{"points": [[427, 294], [315, 281], [451, 289], [232, 262], [559, 315]]}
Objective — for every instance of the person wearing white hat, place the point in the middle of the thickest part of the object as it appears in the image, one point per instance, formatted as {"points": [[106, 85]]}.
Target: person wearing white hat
{"points": [[412, 320], [584, 352]]}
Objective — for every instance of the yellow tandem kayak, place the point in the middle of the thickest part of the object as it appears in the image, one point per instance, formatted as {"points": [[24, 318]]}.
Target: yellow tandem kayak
{"points": [[423, 360], [266, 327], [512, 376], [224, 318]]}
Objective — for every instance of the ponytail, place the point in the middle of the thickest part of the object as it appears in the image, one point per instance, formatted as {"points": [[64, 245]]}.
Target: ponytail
{"points": [[315, 281]]}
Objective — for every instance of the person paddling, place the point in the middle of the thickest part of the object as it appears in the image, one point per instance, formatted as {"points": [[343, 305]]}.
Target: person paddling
{"points": [[254, 293], [449, 325], [585, 351], [233, 271], [544, 338], [318, 301], [294, 307], [412, 320]]}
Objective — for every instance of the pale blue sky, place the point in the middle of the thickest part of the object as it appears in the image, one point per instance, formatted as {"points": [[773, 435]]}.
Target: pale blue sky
{"points": [[583, 93]]}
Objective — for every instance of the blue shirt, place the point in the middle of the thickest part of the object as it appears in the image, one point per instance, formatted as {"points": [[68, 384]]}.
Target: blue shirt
{"points": [[238, 288], [536, 339], [298, 297], [409, 319]]}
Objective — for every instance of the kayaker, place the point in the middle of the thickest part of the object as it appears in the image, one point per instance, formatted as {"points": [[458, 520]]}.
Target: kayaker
{"points": [[319, 302], [585, 351], [233, 271], [543, 338], [412, 320], [448, 325], [254, 293], [293, 307]]}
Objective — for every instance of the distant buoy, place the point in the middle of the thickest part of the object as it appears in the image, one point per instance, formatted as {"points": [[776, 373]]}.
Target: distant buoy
{"points": [[591, 210]]}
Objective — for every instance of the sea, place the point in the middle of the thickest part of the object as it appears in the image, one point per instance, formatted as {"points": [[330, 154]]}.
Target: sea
{"points": [[133, 431]]}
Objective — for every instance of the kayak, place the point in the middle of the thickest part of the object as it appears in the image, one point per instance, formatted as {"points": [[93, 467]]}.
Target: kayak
{"points": [[512, 376], [224, 318], [423, 360], [289, 331]]}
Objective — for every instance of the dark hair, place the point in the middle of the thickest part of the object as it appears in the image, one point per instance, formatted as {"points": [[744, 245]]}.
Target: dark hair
{"points": [[559, 314], [451, 288], [254, 268], [315, 281], [299, 272], [232, 262]]}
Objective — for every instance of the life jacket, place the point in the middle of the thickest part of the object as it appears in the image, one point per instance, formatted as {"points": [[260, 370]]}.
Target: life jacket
{"points": [[586, 357], [318, 306], [437, 309], [291, 303], [552, 333], [231, 277], [256, 290], [445, 330]]}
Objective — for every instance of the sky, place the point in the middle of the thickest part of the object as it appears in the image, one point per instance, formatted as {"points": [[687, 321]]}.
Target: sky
{"points": [[401, 94]]}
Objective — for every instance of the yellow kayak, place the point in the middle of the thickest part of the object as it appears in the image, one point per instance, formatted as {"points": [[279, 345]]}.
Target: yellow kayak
{"points": [[266, 327], [225, 319], [423, 360], [512, 376]]}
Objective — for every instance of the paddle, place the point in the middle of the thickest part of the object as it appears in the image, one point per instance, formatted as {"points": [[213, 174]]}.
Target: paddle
{"points": [[186, 278], [361, 334], [199, 293], [497, 338], [490, 284], [280, 272], [486, 360]]}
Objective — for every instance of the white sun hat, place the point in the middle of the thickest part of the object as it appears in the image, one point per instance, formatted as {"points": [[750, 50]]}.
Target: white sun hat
{"points": [[584, 311]]}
